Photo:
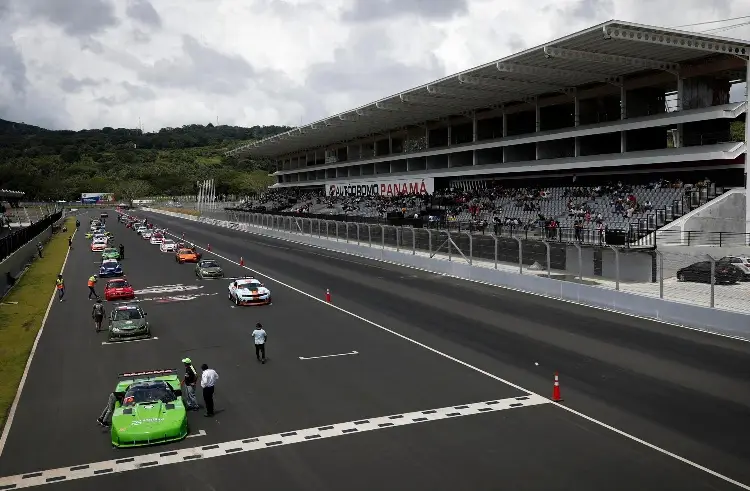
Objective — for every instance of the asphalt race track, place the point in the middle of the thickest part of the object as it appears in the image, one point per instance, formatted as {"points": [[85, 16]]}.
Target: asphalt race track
{"points": [[388, 413]]}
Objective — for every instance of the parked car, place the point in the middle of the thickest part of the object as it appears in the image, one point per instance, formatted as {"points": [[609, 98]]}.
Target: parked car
{"points": [[740, 262], [700, 272]]}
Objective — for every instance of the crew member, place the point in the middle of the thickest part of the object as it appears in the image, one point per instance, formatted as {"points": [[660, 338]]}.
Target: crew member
{"points": [[260, 342], [60, 284], [98, 314], [105, 419], [191, 377], [122, 251], [208, 382], [92, 284], [70, 241], [78, 223]]}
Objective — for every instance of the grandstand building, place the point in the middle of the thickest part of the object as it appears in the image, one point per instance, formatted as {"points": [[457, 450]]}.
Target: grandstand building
{"points": [[615, 102]]}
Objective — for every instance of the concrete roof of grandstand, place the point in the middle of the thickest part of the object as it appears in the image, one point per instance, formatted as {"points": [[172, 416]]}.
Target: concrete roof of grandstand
{"points": [[600, 54]]}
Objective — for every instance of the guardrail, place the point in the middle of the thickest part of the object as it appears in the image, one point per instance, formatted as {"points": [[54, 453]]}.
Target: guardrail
{"points": [[720, 308]]}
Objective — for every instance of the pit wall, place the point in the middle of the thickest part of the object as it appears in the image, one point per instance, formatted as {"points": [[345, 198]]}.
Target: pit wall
{"points": [[703, 318]]}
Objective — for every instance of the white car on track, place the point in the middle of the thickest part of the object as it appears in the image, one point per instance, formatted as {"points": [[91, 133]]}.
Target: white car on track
{"points": [[249, 291], [168, 245], [157, 238], [98, 245], [147, 234]]}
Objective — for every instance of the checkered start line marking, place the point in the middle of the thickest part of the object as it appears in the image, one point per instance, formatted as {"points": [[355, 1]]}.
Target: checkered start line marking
{"points": [[125, 464]]}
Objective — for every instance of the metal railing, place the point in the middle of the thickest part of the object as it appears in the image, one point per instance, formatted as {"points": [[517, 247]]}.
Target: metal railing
{"points": [[13, 241]]}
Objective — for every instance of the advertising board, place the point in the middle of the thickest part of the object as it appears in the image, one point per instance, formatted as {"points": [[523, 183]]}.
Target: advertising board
{"points": [[382, 187], [94, 198]]}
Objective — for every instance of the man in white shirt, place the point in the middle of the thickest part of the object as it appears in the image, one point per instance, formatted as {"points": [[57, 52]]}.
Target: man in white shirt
{"points": [[208, 381], [260, 342]]}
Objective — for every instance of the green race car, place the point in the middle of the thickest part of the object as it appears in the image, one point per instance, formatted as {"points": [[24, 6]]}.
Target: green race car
{"points": [[148, 409], [208, 268], [128, 321], [110, 253]]}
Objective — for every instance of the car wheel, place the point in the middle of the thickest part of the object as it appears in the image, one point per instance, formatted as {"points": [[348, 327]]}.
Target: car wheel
{"points": [[237, 300], [229, 296], [680, 277]]}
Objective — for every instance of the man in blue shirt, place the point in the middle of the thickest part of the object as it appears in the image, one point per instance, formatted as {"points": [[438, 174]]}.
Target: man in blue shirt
{"points": [[260, 342]]}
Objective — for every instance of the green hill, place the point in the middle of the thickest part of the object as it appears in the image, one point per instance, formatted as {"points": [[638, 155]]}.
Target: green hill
{"points": [[48, 164]]}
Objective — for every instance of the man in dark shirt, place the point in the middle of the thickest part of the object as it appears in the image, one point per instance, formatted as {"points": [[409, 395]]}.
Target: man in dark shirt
{"points": [[191, 377]]}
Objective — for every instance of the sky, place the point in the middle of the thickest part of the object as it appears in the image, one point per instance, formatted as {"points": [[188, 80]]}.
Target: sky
{"points": [[73, 64]]}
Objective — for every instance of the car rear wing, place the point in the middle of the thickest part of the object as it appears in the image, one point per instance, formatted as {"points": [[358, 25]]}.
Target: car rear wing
{"points": [[147, 374]]}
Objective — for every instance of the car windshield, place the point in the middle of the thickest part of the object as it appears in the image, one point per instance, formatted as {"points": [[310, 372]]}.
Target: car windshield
{"points": [[127, 315], [168, 242], [185, 251], [209, 264], [248, 284], [110, 250], [117, 284], [109, 264], [148, 392]]}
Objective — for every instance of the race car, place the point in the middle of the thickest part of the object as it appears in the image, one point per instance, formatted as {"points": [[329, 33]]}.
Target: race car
{"points": [[98, 246], [90, 233], [249, 291], [146, 234], [110, 253], [140, 229], [208, 268], [110, 268], [187, 256], [157, 238], [118, 289], [168, 245], [128, 321], [104, 214], [148, 409]]}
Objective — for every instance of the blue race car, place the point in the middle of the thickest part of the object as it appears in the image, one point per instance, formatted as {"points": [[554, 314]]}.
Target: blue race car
{"points": [[110, 268]]}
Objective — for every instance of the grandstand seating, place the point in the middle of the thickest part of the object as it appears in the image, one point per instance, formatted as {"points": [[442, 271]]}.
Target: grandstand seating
{"points": [[611, 206]]}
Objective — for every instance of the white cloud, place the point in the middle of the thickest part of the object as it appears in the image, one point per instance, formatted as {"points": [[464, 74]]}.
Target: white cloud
{"points": [[93, 63]]}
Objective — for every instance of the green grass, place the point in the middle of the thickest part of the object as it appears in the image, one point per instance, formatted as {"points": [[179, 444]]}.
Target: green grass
{"points": [[20, 323]]}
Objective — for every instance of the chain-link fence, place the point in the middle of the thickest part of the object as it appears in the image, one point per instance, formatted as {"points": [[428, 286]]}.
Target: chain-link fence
{"points": [[682, 275]]}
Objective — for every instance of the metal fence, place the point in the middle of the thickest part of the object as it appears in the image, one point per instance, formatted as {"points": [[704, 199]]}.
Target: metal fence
{"points": [[15, 240]]}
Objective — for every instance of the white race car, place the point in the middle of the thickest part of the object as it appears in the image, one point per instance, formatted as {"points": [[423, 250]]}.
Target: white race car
{"points": [[168, 245], [157, 238], [147, 234], [249, 291], [98, 245]]}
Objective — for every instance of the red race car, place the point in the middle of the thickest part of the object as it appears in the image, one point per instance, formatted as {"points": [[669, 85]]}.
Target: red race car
{"points": [[118, 289]]}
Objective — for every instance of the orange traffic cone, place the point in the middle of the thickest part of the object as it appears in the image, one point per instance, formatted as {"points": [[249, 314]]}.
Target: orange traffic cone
{"points": [[328, 295], [209, 247], [556, 389], [242, 261]]}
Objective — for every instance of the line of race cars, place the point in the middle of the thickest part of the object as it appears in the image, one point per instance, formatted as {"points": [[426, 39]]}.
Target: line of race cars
{"points": [[147, 406]]}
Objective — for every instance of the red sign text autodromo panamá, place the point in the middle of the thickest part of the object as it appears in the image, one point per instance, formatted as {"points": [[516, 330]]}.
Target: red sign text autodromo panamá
{"points": [[383, 189]]}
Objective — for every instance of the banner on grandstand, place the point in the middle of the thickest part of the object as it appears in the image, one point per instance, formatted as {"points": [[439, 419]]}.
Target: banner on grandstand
{"points": [[93, 198], [382, 187]]}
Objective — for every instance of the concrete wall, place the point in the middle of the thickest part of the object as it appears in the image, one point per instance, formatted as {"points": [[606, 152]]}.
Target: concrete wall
{"points": [[16, 262], [635, 265], [723, 215]]}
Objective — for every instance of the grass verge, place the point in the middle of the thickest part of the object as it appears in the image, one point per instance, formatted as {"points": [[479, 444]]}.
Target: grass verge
{"points": [[20, 323]]}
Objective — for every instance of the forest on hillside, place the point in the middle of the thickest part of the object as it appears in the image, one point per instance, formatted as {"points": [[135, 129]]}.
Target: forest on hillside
{"points": [[52, 165]]}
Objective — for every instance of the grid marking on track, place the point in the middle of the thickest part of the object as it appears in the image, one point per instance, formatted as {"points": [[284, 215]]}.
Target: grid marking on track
{"points": [[85, 471]]}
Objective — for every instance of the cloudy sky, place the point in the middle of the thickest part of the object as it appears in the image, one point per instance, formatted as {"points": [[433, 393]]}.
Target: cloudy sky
{"points": [[91, 63]]}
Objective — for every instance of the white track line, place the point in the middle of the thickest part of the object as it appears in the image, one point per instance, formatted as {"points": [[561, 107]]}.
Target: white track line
{"points": [[128, 341], [483, 372], [328, 356], [175, 456], [200, 433], [14, 406]]}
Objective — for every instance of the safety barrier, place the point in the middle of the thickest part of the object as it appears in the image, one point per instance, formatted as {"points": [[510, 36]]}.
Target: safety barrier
{"points": [[684, 314]]}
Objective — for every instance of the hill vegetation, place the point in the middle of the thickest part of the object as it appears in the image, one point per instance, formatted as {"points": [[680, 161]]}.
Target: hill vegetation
{"points": [[52, 165]]}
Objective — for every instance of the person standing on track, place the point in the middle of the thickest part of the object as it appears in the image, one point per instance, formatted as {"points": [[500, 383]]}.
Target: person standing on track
{"points": [[122, 251], [92, 284], [260, 342], [191, 377], [60, 285], [208, 382], [70, 242], [98, 314]]}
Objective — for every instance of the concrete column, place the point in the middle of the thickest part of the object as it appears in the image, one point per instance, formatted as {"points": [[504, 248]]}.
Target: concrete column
{"points": [[680, 93], [747, 152], [623, 116], [474, 126], [449, 132], [390, 144]]}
